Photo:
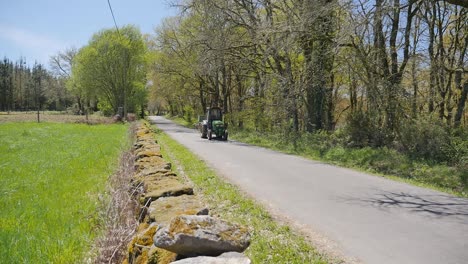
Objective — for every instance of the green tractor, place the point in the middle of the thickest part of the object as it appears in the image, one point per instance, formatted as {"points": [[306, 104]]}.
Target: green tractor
{"points": [[213, 125]]}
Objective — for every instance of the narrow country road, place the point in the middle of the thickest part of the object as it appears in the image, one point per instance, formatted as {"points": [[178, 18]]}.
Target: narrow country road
{"points": [[369, 218]]}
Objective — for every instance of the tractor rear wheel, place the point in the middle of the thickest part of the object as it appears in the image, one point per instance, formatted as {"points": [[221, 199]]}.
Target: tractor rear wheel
{"points": [[204, 131], [225, 136]]}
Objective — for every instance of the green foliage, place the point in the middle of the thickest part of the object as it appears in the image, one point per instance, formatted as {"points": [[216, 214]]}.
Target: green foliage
{"points": [[51, 178], [425, 139], [106, 108], [189, 113], [363, 130], [285, 84], [139, 98], [457, 150], [112, 67]]}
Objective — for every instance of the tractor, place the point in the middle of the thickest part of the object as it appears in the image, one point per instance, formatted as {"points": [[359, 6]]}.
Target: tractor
{"points": [[213, 125]]}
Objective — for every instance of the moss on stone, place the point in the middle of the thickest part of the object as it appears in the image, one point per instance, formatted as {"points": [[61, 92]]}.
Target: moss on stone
{"points": [[180, 227], [165, 209], [139, 246], [145, 153], [160, 256], [164, 188]]}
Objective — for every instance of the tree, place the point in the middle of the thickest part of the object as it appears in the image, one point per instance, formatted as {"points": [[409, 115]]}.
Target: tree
{"points": [[112, 67], [317, 42], [61, 65], [296, 66]]}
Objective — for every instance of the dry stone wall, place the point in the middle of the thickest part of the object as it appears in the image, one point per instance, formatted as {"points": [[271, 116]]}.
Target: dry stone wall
{"points": [[174, 222]]}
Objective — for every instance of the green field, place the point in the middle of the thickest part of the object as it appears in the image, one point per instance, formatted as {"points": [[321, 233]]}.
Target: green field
{"points": [[51, 178]]}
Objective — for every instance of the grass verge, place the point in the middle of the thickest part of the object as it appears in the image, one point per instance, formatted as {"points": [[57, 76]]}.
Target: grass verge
{"points": [[51, 178], [271, 242], [381, 161]]}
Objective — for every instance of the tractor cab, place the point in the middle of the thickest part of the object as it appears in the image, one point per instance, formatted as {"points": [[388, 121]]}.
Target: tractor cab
{"points": [[213, 124], [212, 115]]}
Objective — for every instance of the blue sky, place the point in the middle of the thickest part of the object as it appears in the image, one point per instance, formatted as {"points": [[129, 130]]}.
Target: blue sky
{"points": [[37, 29]]}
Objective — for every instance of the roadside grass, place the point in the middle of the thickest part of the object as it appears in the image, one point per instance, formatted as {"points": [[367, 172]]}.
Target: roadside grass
{"points": [[52, 116], [380, 161], [52, 183], [271, 242]]}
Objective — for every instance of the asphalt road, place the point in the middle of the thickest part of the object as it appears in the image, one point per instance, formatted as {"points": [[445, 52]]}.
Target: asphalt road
{"points": [[368, 218]]}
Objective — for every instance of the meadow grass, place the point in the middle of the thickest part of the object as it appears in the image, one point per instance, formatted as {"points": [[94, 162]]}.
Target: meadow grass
{"points": [[52, 181], [271, 241]]}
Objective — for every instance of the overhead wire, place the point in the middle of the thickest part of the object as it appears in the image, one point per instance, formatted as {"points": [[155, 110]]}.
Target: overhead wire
{"points": [[113, 17]]}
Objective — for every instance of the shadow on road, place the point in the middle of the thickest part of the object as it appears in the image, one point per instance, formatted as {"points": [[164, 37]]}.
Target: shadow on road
{"points": [[433, 205]]}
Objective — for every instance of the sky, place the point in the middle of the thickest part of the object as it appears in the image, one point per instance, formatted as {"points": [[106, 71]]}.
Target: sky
{"points": [[37, 29]]}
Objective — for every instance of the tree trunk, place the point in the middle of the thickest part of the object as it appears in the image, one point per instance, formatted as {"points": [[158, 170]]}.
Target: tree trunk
{"points": [[461, 105], [317, 48]]}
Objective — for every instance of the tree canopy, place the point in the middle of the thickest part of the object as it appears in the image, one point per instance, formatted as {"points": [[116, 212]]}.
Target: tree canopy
{"points": [[306, 66], [112, 69]]}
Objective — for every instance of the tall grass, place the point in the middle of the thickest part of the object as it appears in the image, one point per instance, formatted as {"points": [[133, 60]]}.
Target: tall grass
{"points": [[51, 177]]}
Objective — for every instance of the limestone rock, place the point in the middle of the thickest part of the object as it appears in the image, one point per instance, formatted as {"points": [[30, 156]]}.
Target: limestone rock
{"points": [[142, 131], [152, 179], [151, 171], [154, 162], [169, 186], [225, 258], [147, 152], [193, 235], [143, 137], [145, 141], [140, 244], [158, 181], [146, 145], [150, 160], [160, 256], [163, 210]]}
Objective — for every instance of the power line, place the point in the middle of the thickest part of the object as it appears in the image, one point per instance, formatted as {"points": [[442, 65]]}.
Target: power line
{"points": [[113, 17]]}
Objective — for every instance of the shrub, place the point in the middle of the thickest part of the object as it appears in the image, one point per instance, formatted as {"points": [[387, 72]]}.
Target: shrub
{"points": [[363, 131], [425, 139], [105, 108], [439, 175], [320, 141], [457, 149], [188, 113]]}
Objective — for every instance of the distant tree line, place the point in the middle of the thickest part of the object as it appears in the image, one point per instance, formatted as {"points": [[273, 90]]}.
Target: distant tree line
{"points": [[106, 75], [293, 67], [25, 88]]}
